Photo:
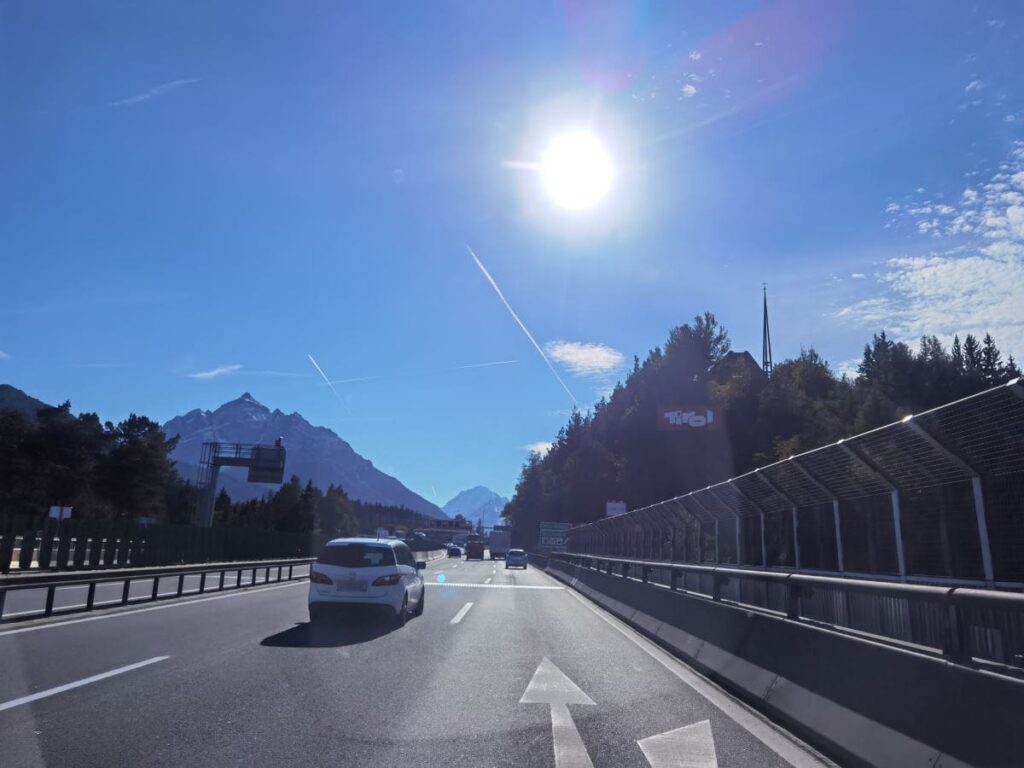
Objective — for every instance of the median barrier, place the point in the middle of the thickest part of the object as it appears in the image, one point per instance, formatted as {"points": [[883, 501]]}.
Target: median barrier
{"points": [[860, 700]]}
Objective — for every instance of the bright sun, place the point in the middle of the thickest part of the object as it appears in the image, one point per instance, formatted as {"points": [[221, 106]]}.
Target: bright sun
{"points": [[576, 170]]}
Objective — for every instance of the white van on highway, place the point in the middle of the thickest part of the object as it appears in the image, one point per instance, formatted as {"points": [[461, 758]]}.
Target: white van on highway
{"points": [[374, 572]]}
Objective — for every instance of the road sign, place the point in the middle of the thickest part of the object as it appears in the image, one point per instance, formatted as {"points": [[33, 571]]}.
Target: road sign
{"points": [[689, 418], [553, 536]]}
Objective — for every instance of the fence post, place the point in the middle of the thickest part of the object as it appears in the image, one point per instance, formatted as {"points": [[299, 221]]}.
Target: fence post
{"points": [[202, 582], [792, 600], [181, 583], [91, 597], [840, 561], [46, 545], [156, 588], [897, 525], [124, 591], [718, 560], [764, 545], [51, 592], [28, 548], [986, 548], [796, 538]]}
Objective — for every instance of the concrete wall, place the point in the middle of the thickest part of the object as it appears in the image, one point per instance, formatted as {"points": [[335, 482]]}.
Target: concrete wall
{"points": [[862, 702]]}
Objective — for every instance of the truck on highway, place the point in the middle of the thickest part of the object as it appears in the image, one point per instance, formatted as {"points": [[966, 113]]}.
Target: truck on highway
{"points": [[500, 542], [474, 550]]}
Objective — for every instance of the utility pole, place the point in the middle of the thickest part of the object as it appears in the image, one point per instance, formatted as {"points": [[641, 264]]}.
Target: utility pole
{"points": [[766, 337]]}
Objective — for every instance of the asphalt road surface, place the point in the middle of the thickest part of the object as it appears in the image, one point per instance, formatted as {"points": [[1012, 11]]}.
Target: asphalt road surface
{"points": [[505, 668]]}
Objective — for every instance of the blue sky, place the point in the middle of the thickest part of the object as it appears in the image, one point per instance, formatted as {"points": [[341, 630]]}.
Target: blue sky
{"points": [[197, 196]]}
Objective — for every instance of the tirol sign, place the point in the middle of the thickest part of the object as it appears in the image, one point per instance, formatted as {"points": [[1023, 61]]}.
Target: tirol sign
{"points": [[689, 418]]}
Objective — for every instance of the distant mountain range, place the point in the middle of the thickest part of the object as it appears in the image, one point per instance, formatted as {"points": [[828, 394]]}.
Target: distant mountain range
{"points": [[313, 453], [477, 504], [15, 399]]}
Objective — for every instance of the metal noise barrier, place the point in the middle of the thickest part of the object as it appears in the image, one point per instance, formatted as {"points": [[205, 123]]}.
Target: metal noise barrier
{"points": [[937, 497]]}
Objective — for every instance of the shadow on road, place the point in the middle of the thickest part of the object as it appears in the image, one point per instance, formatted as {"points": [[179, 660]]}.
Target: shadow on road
{"points": [[334, 634]]}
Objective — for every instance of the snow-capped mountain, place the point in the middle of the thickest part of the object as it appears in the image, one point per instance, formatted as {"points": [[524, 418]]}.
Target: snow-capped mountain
{"points": [[313, 453], [476, 504]]}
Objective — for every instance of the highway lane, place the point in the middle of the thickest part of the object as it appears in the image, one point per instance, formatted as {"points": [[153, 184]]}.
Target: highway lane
{"points": [[246, 681]]}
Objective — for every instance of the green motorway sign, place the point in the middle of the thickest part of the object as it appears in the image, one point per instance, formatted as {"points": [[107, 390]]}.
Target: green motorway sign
{"points": [[553, 536]]}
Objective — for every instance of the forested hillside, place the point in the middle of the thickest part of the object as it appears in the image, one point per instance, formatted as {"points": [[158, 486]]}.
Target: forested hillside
{"points": [[615, 452]]}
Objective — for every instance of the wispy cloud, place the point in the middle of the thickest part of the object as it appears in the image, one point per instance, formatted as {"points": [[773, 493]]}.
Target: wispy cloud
{"points": [[689, 90], [4, 355], [519, 322], [857, 276], [215, 373], [973, 282], [406, 375], [541, 446], [695, 56], [585, 359], [974, 85], [153, 93]]}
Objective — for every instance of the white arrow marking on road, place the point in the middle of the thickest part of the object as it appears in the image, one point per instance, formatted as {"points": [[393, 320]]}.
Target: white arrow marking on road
{"points": [[549, 685], [691, 746]]}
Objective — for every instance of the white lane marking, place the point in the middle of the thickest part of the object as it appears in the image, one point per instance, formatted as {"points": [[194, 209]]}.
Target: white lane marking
{"points": [[549, 685], [487, 580], [461, 614], [132, 612], [486, 586], [692, 746], [79, 683], [785, 746]]}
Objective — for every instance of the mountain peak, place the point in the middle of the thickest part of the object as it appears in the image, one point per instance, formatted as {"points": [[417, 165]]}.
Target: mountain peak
{"points": [[313, 453], [478, 503]]}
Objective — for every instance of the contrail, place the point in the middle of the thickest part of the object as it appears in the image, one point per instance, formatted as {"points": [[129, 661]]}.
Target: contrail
{"points": [[351, 381], [329, 383], [484, 365], [519, 322]]}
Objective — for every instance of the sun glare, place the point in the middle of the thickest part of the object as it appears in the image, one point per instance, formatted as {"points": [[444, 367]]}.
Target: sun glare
{"points": [[576, 170]]}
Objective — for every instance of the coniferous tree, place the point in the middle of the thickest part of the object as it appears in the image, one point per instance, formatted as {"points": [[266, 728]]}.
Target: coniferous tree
{"points": [[957, 354], [991, 365], [1012, 371], [972, 356]]}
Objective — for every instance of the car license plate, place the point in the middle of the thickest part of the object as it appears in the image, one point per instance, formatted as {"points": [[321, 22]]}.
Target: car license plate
{"points": [[352, 585]]}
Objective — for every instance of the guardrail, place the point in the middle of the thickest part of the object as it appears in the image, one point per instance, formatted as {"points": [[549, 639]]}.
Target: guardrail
{"points": [[966, 626], [51, 582]]}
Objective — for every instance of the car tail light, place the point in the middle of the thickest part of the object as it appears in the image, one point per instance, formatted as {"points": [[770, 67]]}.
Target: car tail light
{"points": [[387, 581], [319, 578]]}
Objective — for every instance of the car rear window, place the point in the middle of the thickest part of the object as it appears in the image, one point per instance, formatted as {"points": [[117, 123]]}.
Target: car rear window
{"points": [[357, 556]]}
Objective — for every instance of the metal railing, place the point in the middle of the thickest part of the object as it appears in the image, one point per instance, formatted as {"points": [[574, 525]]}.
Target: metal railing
{"points": [[247, 573], [937, 496], [967, 626]]}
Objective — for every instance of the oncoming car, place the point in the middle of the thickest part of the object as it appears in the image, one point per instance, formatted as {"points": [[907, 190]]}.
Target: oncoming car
{"points": [[370, 572], [454, 551], [515, 558]]}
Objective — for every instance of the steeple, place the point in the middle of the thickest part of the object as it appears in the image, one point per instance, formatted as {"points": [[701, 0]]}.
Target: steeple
{"points": [[766, 337]]}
